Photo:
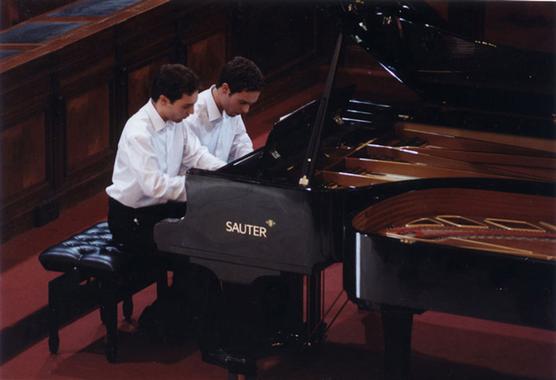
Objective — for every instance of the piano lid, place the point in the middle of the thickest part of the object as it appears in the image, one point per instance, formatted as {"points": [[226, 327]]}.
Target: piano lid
{"points": [[414, 45]]}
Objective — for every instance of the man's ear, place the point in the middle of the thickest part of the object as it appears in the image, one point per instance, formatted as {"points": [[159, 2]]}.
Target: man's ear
{"points": [[225, 88], [163, 99]]}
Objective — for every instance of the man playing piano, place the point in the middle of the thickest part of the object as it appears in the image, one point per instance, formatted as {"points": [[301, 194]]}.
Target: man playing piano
{"points": [[217, 120], [155, 148]]}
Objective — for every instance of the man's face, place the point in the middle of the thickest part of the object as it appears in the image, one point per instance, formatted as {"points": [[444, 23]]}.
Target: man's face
{"points": [[180, 108], [239, 103]]}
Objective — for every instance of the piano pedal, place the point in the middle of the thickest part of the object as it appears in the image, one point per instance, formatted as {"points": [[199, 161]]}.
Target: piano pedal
{"points": [[236, 364]]}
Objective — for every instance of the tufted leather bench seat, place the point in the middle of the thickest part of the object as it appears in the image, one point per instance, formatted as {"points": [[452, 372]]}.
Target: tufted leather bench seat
{"points": [[96, 273]]}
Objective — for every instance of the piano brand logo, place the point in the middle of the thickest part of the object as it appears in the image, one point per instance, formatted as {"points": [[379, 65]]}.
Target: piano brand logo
{"points": [[249, 229]]}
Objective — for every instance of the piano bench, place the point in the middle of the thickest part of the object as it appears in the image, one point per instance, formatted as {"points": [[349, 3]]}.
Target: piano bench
{"points": [[96, 273]]}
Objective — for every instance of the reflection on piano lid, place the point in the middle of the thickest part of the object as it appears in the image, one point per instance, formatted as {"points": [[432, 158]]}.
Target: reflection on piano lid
{"points": [[412, 43]]}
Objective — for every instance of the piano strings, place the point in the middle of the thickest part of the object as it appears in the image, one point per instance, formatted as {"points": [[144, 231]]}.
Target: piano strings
{"points": [[478, 219], [490, 234]]}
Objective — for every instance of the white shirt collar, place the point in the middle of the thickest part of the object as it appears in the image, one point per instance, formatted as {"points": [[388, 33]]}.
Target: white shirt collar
{"points": [[155, 117], [212, 109]]}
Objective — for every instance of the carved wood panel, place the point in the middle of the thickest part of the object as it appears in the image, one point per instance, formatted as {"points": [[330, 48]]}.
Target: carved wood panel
{"points": [[139, 85], [87, 126], [23, 156], [206, 57]]}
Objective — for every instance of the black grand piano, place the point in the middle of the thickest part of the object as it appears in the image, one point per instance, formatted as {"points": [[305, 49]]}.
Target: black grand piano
{"points": [[444, 204]]}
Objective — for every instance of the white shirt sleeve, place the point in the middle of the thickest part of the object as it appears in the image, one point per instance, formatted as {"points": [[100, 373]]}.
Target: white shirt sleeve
{"points": [[144, 163], [196, 155], [241, 145]]}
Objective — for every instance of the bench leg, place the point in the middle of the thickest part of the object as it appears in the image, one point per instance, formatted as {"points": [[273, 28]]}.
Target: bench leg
{"points": [[109, 312], [111, 349], [53, 317], [162, 283], [127, 308], [101, 312]]}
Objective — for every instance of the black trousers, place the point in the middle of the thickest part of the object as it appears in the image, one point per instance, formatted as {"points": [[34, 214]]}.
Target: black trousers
{"points": [[133, 227]]}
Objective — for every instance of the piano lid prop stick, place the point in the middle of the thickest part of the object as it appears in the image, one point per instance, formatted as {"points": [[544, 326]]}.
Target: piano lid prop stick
{"points": [[312, 150]]}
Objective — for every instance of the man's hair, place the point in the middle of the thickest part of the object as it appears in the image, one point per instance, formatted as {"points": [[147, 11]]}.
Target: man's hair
{"points": [[241, 74], [173, 81]]}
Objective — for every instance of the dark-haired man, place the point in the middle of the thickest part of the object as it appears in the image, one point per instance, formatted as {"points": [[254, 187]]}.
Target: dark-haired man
{"points": [[155, 149], [217, 120]]}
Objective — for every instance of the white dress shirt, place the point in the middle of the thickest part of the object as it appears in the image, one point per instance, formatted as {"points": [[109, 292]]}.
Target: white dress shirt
{"points": [[152, 158], [224, 136]]}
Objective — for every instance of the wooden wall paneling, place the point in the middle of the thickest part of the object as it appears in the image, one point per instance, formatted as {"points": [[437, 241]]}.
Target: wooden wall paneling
{"points": [[149, 41], [86, 61], [139, 82], [195, 23], [180, 49], [276, 36], [85, 83], [23, 156], [87, 155], [207, 57], [87, 127], [25, 171], [120, 91], [141, 47], [284, 40], [56, 134], [85, 109], [24, 90], [120, 99], [204, 34], [143, 44], [146, 36], [182, 27], [25, 130]]}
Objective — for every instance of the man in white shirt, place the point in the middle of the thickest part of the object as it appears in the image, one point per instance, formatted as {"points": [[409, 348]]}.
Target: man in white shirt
{"points": [[155, 149], [217, 120]]}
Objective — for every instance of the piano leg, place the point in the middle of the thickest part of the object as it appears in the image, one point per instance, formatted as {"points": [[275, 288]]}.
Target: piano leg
{"points": [[314, 308], [397, 326]]}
